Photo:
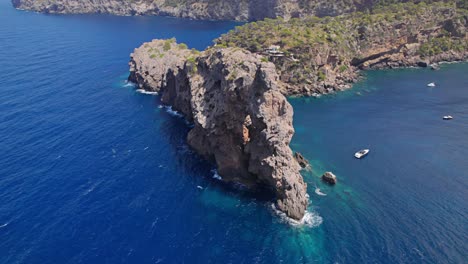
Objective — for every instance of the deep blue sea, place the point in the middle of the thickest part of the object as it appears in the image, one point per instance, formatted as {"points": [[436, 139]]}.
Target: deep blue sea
{"points": [[93, 172]]}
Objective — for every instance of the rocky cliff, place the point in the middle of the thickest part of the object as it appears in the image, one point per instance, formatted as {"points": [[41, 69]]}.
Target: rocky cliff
{"points": [[236, 100], [242, 10], [241, 120], [323, 55]]}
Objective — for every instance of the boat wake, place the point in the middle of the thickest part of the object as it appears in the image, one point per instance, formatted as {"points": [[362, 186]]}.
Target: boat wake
{"points": [[146, 92], [310, 219], [4, 225]]}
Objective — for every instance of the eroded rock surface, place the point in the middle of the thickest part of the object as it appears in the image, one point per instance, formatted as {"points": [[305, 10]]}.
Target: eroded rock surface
{"points": [[241, 120], [330, 178], [303, 162], [322, 56], [241, 10]]}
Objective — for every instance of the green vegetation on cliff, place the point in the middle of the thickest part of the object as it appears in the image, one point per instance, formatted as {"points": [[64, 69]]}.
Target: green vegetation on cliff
{"points": [[320, 53], [245, 10]]}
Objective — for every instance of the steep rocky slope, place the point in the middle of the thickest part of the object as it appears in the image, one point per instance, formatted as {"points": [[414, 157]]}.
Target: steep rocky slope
{"points": [[325, 55], [204, 9], [241, 120]]}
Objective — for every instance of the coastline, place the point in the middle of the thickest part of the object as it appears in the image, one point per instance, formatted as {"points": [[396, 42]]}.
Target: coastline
{"points": [[217, 88], [334, 70], [324, 55], [98, 172], [250, 10]]}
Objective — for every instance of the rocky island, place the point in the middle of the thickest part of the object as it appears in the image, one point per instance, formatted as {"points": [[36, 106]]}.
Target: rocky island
{"points": [[234, 92], [242, 121]]}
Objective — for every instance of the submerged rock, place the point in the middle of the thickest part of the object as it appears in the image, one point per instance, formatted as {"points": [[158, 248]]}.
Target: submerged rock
{"points": [[241, 120], [329, 177]]}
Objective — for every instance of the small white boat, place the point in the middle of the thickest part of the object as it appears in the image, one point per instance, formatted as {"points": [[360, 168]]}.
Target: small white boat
{"points": [[448, 117], [431, 84], [361, 154]]}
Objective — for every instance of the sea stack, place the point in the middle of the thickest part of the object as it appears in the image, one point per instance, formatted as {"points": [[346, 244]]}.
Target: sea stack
{"points": [[329, 177], [242, 122]]}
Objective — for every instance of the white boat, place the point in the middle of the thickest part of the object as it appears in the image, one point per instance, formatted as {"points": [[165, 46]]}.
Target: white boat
{"points": [[448, 117], [431, 84], [361, 154]]}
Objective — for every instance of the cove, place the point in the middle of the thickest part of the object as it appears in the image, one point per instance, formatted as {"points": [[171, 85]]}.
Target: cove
{"points": [[94, 172]]}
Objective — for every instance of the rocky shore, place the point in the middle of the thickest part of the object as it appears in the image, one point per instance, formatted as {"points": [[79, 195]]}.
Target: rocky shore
{"points": [[242, 121], [234, 92], [241, 10], [321, 56]]}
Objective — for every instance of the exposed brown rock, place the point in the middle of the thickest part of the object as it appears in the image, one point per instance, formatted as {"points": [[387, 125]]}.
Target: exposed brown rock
{"points": [[329, 177], [241, 119], [241, 10], [146, 69], [332, 65], [303, 162]]}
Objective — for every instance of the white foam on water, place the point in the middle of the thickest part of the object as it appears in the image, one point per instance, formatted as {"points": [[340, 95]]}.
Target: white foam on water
{"points": [[4, 225], [129, 84], [91, 188], [310, 219], [172, 112], [216, 175], [319, 192], [146, 92]]}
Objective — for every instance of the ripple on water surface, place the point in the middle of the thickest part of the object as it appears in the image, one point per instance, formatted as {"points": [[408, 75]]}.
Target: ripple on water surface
{"points": [[94, 172]]}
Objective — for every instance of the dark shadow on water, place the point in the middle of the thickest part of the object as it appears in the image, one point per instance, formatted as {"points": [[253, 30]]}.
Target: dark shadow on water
{"points": [[175, 129]]}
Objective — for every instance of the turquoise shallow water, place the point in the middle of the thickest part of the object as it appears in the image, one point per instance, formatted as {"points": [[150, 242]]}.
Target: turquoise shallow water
{"points": [[93, 172], [406, 201]]}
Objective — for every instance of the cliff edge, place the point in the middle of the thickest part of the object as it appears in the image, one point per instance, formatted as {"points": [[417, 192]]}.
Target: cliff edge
{"points": [[241, 120], [324, 55], [240, 10]]}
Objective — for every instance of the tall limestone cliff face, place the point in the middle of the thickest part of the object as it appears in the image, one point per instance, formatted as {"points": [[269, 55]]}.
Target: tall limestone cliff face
{"points": [[241, 10], [241, 120]]}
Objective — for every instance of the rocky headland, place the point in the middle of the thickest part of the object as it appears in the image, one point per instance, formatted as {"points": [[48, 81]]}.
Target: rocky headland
{"points": [[316, 56], [240, 10], [234, 92], [241, 120]]}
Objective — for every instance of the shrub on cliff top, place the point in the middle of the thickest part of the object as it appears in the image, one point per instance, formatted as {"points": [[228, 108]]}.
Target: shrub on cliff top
{"points": [[167, 46]]}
